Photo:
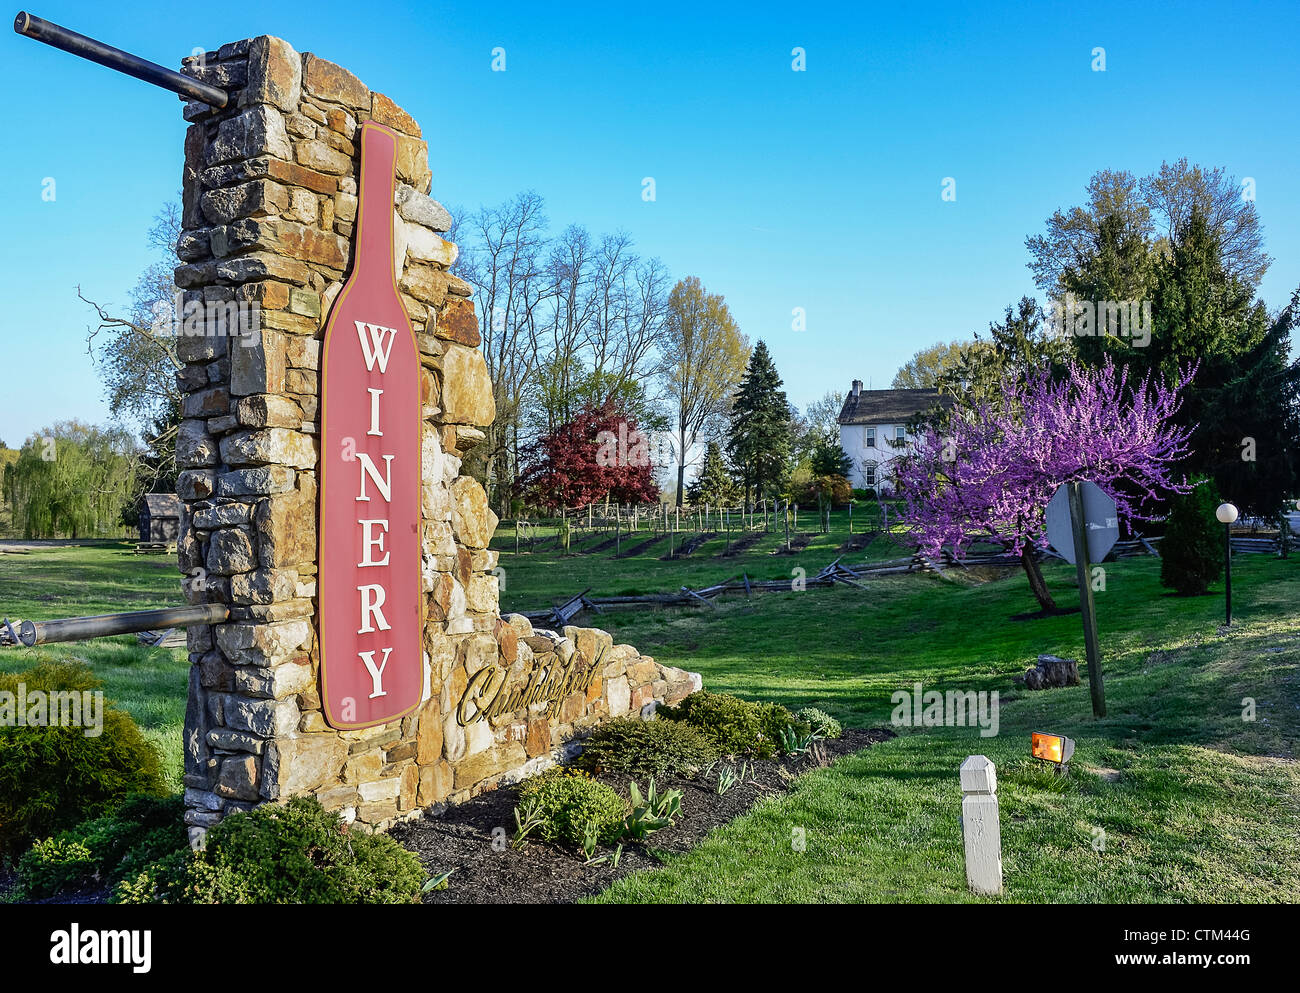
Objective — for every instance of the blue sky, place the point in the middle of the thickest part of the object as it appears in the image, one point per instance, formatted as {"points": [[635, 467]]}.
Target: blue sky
{"points": [[779, 189]]}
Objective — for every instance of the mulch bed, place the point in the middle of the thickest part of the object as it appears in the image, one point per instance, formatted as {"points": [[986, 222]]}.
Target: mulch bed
{"points": [[643, 546], [741, 545], [91, 894], [461, 839], [798, 542], [692, 544], [858, 542]]}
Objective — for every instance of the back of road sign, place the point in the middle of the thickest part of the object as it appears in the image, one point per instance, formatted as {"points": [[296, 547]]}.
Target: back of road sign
{"points": [[1099, 516]]}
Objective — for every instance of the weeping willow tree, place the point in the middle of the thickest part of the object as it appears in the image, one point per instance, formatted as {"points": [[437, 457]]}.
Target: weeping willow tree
{"points": [[71, 480]]}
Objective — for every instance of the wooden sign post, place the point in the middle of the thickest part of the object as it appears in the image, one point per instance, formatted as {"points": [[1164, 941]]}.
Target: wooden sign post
{"points": [[1086, 605], [1082, 526]]}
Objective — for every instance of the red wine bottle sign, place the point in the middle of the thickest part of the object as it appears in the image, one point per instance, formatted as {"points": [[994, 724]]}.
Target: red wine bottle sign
{"points": [[368, 581]]}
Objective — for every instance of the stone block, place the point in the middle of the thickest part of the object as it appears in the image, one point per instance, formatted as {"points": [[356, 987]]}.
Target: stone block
{"points": [[317, 155], [467, 395], [258, 198], [416, 207], [268, 411], [478, 767], [264, 480], [258, 130], [286, 527], [230, 550], [279, 446], [327, 81], [259, 368], [238, 778], [457, 322], [385, 111], [274, 74], [196, 484]]}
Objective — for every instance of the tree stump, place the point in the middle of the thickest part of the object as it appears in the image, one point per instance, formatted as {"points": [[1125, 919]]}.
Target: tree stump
{"points": [[1050, 672]]}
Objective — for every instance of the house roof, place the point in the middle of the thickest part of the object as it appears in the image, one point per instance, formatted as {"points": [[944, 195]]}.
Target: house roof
{"points": [[163, 504], [888, 406]]}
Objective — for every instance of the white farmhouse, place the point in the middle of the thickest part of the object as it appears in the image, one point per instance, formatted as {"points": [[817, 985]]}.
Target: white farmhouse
{"points": [[873, 431]]}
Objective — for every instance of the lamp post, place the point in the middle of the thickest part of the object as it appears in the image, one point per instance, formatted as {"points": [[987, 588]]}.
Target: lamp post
{"points": [[1227, 513]]}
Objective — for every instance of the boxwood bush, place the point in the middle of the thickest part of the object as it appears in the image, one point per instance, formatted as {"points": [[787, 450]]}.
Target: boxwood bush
{"points": [[647, 748], [570, 807], [819, 722], [296, 852], [53, 778], [735, 726]]}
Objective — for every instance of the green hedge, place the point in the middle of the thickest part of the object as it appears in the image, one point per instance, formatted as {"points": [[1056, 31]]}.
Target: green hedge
{"points": [[1191, 556]]}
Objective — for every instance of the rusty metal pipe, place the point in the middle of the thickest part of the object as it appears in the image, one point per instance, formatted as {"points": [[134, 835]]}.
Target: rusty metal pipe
{"points": [[39, 29], [103, 625]]}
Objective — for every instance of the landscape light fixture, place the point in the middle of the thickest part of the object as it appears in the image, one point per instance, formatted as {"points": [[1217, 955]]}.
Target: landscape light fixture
{"points": [[1227, 513], [1054, 748]]}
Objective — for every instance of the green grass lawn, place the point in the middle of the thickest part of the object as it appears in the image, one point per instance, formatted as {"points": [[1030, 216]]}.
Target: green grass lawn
{"points": [[99, 578], [1195, 803]]}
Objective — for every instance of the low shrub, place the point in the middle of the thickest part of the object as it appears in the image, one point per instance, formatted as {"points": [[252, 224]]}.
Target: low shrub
{"points": [[776, 721], [52, 865], [106, 849], [53, 778], [296, 852], [647, 748], [735, 726], [820, 723], [568, 806]]}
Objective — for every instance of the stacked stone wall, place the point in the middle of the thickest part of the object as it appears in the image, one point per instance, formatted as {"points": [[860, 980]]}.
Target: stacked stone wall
{"points": [[269, 204]]}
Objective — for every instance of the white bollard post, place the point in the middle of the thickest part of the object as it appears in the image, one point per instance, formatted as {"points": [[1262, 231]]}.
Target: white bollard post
{"points": [[979, 823]]}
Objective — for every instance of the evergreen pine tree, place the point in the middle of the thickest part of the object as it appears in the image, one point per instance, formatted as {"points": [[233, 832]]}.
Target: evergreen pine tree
{"points": [[1243, 402], [714, 484], [759, 438], [1191, 556], [1252, 425], [829, 459]]}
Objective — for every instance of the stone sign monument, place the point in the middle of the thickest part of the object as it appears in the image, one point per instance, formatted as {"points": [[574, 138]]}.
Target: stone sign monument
{"points": [[273, 198]]}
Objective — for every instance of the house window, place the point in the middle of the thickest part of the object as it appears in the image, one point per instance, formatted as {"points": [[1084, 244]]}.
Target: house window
{"points": [[899, 435], [871, 437], [869, 474]]}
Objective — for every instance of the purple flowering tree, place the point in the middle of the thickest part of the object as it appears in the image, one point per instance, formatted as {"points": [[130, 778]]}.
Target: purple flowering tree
{"points": [[991, 472]]}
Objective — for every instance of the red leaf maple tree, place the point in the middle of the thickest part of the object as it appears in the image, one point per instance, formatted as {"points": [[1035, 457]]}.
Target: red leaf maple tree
{"points": [[598, 455]]}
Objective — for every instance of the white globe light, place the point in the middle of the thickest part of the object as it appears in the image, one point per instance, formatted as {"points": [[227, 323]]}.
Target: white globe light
{"points": [[1226, 513]]}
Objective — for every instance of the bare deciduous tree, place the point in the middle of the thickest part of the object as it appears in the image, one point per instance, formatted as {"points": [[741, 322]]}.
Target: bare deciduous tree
{"points": [[704, 358]]}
